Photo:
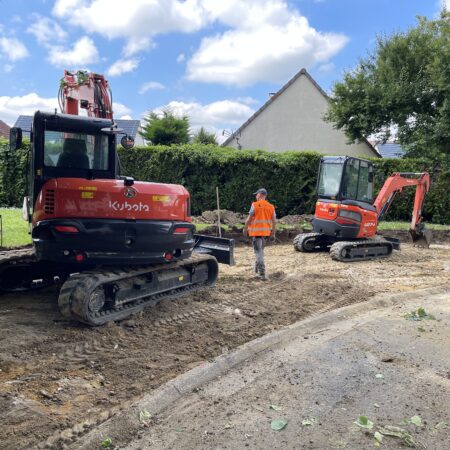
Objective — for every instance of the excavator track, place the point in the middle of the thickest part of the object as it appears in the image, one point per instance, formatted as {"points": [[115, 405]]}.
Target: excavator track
{"points": [[309, 242], [361, 250], [100, 296]]}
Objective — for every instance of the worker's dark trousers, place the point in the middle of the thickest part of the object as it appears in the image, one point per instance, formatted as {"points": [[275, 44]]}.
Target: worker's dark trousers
{"points": [[258, 246]]}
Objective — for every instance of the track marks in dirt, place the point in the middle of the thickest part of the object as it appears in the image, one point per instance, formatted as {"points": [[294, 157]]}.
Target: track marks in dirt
{"points": [[91, 374]]}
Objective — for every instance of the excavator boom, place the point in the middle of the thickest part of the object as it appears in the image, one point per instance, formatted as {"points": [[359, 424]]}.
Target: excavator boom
{"points": [[393, 186]]}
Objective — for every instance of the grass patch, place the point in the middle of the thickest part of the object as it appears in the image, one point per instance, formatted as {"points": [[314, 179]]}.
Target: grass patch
{"points": [[306, 226], [15, 229], [404, 226]]}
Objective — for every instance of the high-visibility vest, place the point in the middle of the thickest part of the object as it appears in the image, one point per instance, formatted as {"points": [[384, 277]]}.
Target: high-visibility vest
{"points": [[261, 223]]}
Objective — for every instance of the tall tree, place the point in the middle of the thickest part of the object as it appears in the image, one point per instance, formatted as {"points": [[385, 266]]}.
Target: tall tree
{"points": [[204, 137], [404, 85], [166, 129]]}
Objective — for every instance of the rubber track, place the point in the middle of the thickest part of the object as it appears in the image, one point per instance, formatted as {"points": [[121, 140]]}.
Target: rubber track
{"points": [[75, 291], [301, 238], [337, 247]]}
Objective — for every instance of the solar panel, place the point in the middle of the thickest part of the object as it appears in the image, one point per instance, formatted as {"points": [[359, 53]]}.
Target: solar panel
{"points": [[391, 150], [129, 127], [24, 122]]}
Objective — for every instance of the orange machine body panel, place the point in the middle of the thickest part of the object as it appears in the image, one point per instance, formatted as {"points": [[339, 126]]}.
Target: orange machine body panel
{"points": [[110, 199], [329, 211]]}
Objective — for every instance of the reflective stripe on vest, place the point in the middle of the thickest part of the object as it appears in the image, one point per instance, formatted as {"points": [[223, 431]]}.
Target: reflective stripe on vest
{"points": [[261, 223]]}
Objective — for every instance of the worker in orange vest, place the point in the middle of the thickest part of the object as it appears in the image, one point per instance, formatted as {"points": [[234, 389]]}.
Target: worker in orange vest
{"points": [[260, 224]]}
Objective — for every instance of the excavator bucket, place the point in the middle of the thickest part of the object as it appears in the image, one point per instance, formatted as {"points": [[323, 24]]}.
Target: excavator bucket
{"points": [[421, 237]]}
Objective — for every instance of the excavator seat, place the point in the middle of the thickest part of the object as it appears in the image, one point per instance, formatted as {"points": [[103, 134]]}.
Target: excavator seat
{"points": [[74, 154]]}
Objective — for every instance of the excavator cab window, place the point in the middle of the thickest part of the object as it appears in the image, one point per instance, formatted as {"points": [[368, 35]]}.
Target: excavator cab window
{"points": [[329, 179], [357, 183], [76, 150]]}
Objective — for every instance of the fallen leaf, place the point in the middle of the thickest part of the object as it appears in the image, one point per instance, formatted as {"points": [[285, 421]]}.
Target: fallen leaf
{"points": [[379, 375], [416, 420], [276, 408], [144, 415], [278, 424], [364, 422], [407, 439], [106, 443], [440, 425], [376, 405], [378, 436], [228, 426], [420, 314], [308, 422]]}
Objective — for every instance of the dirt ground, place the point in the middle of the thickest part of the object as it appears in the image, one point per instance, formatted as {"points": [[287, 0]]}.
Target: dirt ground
{"points": [[59, 379]]}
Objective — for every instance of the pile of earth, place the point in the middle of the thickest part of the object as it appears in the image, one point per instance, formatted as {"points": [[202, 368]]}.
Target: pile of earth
{"points": [[232, 218], [226, 217]]}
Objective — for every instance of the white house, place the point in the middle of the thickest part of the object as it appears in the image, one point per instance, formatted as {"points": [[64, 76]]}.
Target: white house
{"points": [[292, 119]]}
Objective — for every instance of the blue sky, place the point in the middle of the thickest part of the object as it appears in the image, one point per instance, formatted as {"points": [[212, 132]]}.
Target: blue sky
{"points": [[214, 60]]}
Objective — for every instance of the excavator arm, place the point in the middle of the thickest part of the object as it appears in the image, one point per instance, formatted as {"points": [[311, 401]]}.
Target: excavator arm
{"points": [[395, 185], [85, 90]]}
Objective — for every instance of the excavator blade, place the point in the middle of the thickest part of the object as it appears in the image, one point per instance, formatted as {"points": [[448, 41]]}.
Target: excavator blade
{"points": [[421, 238], [221, 248]]}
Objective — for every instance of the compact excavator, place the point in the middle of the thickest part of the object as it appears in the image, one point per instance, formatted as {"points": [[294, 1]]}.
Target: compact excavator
{"points": [[113, 244], [346, 220]]}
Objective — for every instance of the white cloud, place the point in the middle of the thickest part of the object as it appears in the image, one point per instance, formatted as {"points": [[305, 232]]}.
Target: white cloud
{"points": [[326, 68], [271, 42], [137, 22], [126, 117], [46, 30], [8, 68], [121, 111], [137, 44], [263, 40], [247, 100], [12, 49], [215, 116], [83, 52], [12, 107], [150, 85], [122, 66], [181, 57]]}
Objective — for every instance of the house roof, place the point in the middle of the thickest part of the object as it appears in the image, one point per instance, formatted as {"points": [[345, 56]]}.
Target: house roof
{"points": [[4, 129], [302, 72], [130, 127], [391, 150]]}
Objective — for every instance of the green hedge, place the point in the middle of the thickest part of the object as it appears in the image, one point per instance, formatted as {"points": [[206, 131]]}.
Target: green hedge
{"points": [[290, 178]]}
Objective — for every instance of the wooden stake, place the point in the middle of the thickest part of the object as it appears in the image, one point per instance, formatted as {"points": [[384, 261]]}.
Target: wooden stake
{"points": [[218, 211]]}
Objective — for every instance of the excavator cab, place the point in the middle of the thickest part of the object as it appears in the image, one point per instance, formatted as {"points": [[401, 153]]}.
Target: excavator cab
{"points": [[345, 178], [345, 191]]}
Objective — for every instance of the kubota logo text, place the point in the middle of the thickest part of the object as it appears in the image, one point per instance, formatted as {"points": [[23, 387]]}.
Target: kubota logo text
{"points": [[136, 207]]}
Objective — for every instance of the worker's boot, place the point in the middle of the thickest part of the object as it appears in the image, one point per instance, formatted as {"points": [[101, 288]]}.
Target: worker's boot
{"points": [[262, 275]]}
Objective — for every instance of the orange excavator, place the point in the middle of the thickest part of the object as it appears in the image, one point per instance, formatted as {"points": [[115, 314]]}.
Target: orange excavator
{"points": [[346, 220], [114, 244]]}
